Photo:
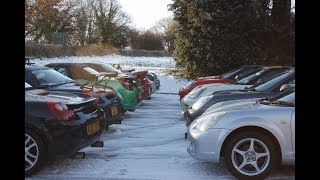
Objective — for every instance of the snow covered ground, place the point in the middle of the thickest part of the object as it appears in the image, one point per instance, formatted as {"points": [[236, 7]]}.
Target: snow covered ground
{"points": [[149, 144]]}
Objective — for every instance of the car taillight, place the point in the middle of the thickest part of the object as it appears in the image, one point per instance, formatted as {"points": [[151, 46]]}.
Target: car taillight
{"points": [[127, 85], [44, 93], [86, 95], [60, 111]]}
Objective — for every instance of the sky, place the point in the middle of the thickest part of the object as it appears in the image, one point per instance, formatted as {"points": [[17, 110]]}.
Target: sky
{"points": [[145, 13]]}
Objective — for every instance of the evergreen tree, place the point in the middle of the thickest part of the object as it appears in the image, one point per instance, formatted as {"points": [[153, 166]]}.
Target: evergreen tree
{"points": [[213, 36]]}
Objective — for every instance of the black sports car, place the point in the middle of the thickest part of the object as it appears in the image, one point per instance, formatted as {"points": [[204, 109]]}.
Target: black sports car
{"points": [[58, 125], [53, 81]]}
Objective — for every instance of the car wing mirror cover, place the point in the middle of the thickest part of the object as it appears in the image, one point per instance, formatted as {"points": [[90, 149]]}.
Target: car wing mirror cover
{"points": [[286, 87]]}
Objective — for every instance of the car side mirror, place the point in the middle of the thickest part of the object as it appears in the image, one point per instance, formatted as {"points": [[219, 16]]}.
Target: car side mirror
{"points": [[259, 81], [286, 87], [236, 78]]}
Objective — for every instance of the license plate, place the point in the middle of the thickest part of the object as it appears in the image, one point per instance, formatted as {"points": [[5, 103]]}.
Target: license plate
{"points": [[94, 127], [114, 111]]}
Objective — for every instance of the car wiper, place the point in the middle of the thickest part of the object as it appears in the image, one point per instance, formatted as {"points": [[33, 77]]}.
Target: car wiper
{"points": [[284, 103], [248, 89], [244, 90], [266, 100]]}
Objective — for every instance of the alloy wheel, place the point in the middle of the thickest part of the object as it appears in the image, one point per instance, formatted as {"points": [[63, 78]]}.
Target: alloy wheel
{"points": [[250, 156], [31, 152]]}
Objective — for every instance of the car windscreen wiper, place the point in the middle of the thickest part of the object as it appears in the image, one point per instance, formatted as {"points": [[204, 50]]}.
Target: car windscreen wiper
{"points": [[284, 103], [266, 100], [248, 89]]}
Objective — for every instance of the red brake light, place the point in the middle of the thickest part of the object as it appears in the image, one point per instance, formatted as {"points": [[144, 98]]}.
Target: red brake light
{"points": [[86, 95], [60, 111], [127, 85], [44, 93]]}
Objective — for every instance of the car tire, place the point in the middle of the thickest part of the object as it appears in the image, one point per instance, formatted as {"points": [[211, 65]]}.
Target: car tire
{"points": [[34, 152], [251, 155]]}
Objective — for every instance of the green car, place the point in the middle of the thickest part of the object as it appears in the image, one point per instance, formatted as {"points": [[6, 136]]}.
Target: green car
{"points": [[127, 91]]}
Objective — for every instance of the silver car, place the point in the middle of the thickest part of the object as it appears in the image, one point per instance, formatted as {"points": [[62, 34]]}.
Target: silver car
{"points": [[253, 138]]}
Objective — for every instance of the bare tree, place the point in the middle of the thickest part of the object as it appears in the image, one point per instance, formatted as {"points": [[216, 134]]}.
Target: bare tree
{"points": [[111, 21], [162, 25]]}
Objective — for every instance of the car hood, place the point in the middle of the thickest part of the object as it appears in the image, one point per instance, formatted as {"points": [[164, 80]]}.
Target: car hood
{"points": [[235, 105], [250, 114], [210, 89]]}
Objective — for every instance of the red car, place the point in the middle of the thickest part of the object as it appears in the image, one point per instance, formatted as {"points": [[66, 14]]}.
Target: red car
{"points": [[143, 83], [228, 77], [141, 80]]}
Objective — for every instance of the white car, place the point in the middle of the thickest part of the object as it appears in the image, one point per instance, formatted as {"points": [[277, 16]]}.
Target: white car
{"points": [[265, 74], [253, 137]]}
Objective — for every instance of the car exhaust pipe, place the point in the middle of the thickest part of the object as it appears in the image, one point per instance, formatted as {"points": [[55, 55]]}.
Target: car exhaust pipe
{"points": [[97, 144], [78, 155]]}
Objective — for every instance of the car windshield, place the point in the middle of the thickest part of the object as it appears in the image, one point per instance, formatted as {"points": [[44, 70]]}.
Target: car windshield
{"points": [[267, 85], [289, 99], [286, 98], [189, 84], [230, 74], [246, 72], [248, 79], [50, 77]]}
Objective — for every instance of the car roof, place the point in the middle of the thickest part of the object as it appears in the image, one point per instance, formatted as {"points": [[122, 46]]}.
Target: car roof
{"points": [[64, 64], [35, 67], [251, 66], [277, 67]]}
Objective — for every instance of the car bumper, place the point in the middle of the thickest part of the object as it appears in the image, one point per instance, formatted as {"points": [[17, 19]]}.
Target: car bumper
{"points": [[66, 140], [129, 100], [192, 114], [184, 106], [113, 116], [206, 146], [146, 92]]}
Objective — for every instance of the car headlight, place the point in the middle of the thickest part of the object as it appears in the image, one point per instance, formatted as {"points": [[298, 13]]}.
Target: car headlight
{"points": [[202, 101], [206, 122], [196, 93]]}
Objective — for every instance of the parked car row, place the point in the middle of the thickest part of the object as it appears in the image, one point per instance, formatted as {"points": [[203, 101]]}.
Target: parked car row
{"points": [[248, 122], [68, 106]]}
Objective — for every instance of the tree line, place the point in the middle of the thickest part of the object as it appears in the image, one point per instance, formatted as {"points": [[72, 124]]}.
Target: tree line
{"points": [[206, 37], [87, 22]]}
